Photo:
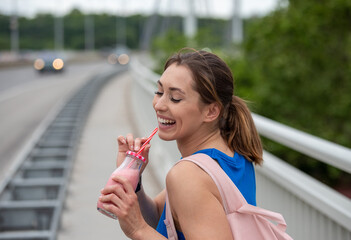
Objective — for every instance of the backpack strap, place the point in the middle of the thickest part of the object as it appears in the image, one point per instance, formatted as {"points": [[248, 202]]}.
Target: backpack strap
{"points": [[171, 230], [225, 186], [230, 193]]}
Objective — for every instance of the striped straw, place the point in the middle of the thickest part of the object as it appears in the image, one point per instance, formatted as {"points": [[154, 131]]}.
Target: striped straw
{"points": [[147, 140], [143, 146]]}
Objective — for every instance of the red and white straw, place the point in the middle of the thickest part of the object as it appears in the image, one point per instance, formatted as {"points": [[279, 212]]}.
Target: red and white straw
{"points": [[147, 140]]}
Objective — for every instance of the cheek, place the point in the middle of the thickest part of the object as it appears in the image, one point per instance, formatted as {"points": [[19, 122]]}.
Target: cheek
{"points": [[191, 115]]}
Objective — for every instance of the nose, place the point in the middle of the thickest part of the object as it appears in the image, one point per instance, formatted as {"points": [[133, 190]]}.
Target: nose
{"points": [[159, 103]]}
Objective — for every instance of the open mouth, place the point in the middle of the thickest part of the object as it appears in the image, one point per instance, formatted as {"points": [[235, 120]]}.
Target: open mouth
{"points": [[166, 122]]}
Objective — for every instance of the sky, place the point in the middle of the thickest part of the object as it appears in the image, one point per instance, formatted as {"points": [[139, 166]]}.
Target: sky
{"points": [[213, 8]]}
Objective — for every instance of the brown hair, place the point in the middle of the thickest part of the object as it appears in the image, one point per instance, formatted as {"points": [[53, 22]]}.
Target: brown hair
{"points": [[214, 82]]}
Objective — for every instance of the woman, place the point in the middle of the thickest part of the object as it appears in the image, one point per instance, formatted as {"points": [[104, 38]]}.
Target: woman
{"points": [[195, 106]]}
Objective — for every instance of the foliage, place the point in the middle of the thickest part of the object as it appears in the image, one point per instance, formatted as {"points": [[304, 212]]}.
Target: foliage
{"points": [[38, 33], [294, 67], [211, 34], [74, 30], [167, 45], [5, 32], [296, 64], [40, 28]]}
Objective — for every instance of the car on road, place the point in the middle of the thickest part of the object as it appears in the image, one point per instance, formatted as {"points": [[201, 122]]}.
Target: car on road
{"points": [[49, 62], [120, 55]]}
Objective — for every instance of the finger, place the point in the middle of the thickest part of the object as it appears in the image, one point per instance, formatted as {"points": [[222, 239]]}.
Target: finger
{"points": [[119, 187], [113, 188], [127, 186], [112, 208], [145, 154], [137, 144], [110, 188], [146, 150], [130, 141], [111, 199], [106, 198], [121, 140]]}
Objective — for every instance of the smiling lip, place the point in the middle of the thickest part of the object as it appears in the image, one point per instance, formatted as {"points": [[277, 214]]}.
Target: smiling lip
{"points": [[163, 121]]}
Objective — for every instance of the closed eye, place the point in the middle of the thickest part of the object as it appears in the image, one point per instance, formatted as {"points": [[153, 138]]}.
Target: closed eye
{"points": [[175, 100], [172, 99]]}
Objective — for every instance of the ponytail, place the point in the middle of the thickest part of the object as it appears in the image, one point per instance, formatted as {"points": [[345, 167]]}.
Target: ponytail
{"points": [[238, 129]]}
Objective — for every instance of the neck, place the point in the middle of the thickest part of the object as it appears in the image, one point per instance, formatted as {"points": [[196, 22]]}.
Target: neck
{"points": [[203, 141]]}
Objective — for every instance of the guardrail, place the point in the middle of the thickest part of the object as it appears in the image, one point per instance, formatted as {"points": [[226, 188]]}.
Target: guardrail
{"points": [[320, 149], [312, 210], [33, 192]]}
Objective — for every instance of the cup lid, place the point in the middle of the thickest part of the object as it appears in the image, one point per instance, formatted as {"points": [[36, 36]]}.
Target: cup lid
{"points": [[136, 155]]}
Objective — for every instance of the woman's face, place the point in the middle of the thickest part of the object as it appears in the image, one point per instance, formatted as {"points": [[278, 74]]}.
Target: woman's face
{"points": [[177, 104]]}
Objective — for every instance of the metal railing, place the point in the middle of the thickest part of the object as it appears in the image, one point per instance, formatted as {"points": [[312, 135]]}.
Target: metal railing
{"points": [[33, 192], [326, 151], [312, 210]]}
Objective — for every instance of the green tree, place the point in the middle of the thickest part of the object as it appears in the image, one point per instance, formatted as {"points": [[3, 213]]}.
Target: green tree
{"points": [[37, 33], [134, 27], [5, 32], [74, 30], [166, 45], [105, 30], [211, 34], [297, 62]]}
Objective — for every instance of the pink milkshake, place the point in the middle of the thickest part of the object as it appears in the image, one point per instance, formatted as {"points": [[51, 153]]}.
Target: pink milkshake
{"points": [[130, 169]]}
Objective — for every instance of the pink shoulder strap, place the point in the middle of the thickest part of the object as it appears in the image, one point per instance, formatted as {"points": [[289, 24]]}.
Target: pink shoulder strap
{"points": [[226, 187], [171, 230], [229, 192]]}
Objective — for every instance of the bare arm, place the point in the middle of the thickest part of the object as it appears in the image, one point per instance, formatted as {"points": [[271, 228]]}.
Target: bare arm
{"points": [[196, 204], [151, 209]]}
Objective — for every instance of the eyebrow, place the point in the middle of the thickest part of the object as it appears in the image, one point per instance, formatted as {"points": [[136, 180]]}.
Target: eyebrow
{"points": [[172, 88]]}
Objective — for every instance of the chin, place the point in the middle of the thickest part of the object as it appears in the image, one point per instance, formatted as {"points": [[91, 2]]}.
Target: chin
{"points": [[165, 137]]}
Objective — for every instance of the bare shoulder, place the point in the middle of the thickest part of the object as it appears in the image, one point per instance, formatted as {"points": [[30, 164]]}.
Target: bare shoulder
{"points": [[195, 203], [187, 181], [187, 173]]}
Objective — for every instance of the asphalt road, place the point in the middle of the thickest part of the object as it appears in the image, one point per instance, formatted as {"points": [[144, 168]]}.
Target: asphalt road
{"points": [[27, 97]]}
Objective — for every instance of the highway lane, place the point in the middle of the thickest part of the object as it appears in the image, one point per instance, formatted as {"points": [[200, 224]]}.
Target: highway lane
{"points": [[27, 97]]}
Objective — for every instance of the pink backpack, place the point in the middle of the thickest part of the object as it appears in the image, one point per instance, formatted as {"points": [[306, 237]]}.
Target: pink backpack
{"points": [[246, 221]]}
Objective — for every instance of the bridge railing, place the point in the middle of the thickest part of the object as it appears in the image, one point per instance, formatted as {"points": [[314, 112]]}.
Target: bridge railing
{"points": [[311, 209]]}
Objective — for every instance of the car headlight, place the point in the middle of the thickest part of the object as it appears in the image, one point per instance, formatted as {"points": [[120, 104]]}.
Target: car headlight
{"points": [[112, 58], [58, 64], [123, 59], [39, 64]]}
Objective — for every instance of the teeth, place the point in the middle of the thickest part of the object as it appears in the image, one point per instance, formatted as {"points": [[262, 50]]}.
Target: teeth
{"points": [[165, 121]]}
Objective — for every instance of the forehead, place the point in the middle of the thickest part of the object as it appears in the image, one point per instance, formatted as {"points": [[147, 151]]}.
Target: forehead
{"points": [[177, 76]]}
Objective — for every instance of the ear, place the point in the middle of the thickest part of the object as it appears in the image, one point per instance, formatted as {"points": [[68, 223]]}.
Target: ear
{"points": [[212, 112]]}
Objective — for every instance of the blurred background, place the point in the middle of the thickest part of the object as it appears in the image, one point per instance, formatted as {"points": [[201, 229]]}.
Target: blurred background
{"points": [[291, 60]]}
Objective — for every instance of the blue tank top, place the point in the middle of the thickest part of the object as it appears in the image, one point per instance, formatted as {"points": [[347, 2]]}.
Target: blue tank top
{"points": [[239, 170]]}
